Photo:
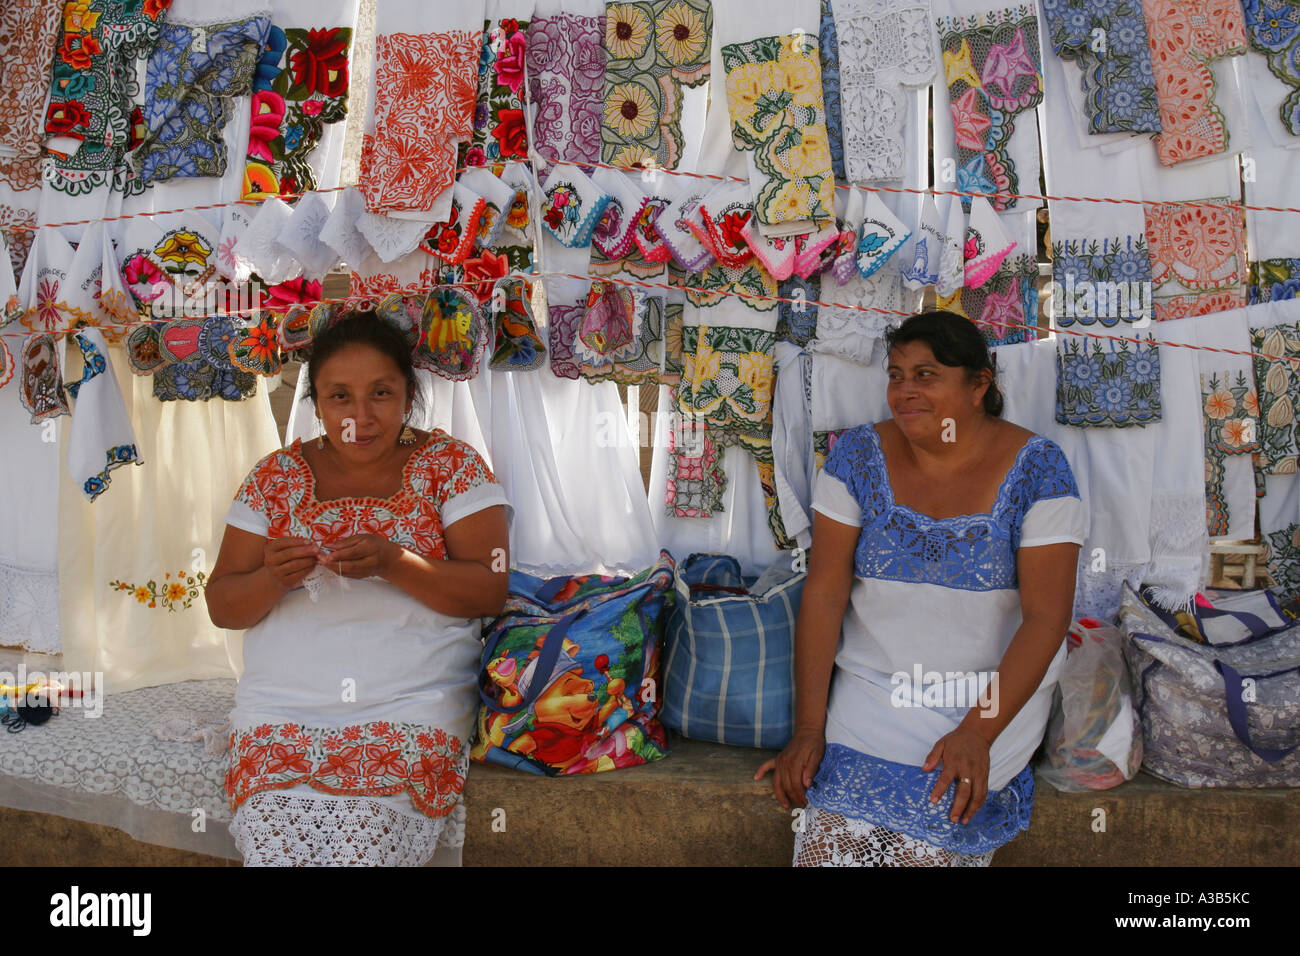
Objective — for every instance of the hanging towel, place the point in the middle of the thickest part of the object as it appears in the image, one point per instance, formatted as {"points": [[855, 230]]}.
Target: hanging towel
{"points": [[100, 438]]}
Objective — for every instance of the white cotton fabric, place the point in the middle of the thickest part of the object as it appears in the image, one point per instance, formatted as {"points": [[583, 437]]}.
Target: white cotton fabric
{"points": [[158, 521], [99, 423], [1273, 180], [29, 520], [301, 235], [340, 232], [792, 441], [892, 627]]}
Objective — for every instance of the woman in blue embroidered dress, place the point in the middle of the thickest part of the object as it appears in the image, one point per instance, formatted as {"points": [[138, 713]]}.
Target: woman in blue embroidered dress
{"points": [[945, 547]]}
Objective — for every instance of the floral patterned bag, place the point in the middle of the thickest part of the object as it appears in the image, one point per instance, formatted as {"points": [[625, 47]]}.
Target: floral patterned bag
{"points": [[1215, 714], [570, 673]]}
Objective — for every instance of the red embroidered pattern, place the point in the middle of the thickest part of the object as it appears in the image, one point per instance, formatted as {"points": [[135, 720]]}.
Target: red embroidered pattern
{"points": [[426, 86], [29, 30], [1198, 258], [1184, 36], [375, 759], [282, 488]]}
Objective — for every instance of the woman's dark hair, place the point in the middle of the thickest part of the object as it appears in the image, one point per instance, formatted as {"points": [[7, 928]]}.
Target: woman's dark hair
{"points": [[361, 327], [955, 342]]}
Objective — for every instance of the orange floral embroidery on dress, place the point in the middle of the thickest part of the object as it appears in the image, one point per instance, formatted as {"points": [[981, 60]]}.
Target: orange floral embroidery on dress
{"points": [[1184, 36], [425, 90], [282, 488], [1198, 258], [375, 759]]}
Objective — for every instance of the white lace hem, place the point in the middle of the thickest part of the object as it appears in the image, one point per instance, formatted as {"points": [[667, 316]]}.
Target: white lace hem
{"points": [[832, 839], [302, 827]]}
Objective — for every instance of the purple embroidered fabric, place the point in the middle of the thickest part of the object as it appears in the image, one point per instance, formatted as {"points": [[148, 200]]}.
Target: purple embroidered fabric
{"points": [[564, 322], [566, 69]]}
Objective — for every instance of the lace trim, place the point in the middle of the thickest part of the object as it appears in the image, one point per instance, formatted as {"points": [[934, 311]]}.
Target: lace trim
{"points": [[653, 49], [1101, 280], [1229, 409], [194, 75], [29, 30], [1273, 27], [969, 552], [292, 829], [828, 48], [778, 120], [883, 46], [1277, 380], [566, 73], [994, 74], [1198, 258], [897, 796], [376, 758], [832, 839], [1105, 383], [1097, 594], [1179, 548], [852, 334], [29, 609], [1118, 85], [1186, 36]]}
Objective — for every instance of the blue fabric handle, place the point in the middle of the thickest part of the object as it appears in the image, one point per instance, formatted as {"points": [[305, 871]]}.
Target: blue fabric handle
{"points": [[1232, 685], [551, 647], [547, 592], [1255, 623]]}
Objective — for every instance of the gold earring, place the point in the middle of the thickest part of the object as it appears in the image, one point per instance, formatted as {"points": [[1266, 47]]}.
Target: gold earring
{"points": [[408, 437], [320, 440]]}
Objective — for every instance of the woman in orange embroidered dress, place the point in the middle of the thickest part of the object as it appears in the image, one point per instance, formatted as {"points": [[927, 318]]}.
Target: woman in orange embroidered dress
{"points": [[360, 564]]}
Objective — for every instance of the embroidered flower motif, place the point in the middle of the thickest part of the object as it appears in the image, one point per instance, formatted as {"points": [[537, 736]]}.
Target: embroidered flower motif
{"points": [[511, 135], [173, 595], [322, 67], [79, 50], [630, 110], [680, 34], [510, 61], [627, 29]]}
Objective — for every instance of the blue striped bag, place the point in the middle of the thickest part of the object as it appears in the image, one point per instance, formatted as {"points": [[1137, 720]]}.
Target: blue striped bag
{"points": [[729, 675]]}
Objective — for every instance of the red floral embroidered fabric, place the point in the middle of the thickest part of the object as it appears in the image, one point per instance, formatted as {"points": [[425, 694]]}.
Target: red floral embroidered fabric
{"points": [[425, 90], [282, 487]]}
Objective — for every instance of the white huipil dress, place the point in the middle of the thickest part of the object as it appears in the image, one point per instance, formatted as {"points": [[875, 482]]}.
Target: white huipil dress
{"points": [[352, 718], [938, 600]]}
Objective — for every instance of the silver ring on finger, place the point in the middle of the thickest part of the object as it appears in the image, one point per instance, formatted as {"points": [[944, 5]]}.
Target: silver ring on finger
{"points": [[965, 780]]}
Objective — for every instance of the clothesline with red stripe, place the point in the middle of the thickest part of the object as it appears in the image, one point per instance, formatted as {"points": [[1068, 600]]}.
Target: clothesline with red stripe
{"points": [[638, 171], [420, 290]]}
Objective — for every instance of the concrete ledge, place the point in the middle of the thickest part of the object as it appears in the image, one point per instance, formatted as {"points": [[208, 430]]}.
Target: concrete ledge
{"points": [[699, 807]]}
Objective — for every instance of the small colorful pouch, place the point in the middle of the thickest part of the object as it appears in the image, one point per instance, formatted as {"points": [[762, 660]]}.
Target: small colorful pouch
{"points": [[776, 254], [454, 335], [405, 313], [178, 340], [143, 350], [321, 317], [572, 206], [518, 347], [675, 225], [256, 347], [295, 328], [608, 326], [987, 243], [216, 335], [724, 211], [808, 258], [653, 246], [879, 237], [922, 267], [615, 234], [453, 240], [497, 198], [952, 262], [41, 385]]}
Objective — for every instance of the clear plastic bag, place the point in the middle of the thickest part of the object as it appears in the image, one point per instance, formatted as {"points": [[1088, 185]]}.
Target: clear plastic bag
{"points": [[1094, 734]]}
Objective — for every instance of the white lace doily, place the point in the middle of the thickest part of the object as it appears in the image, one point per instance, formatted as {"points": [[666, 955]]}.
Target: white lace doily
{"points": [[832, 839], [29, 609]]}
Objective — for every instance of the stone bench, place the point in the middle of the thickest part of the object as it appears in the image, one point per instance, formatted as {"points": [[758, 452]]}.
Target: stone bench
{"points": [[700, 807]]}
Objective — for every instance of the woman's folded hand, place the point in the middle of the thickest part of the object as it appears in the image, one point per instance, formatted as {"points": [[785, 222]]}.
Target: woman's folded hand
{"points": [[795, 767], [362, 556], [289, 560]]}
